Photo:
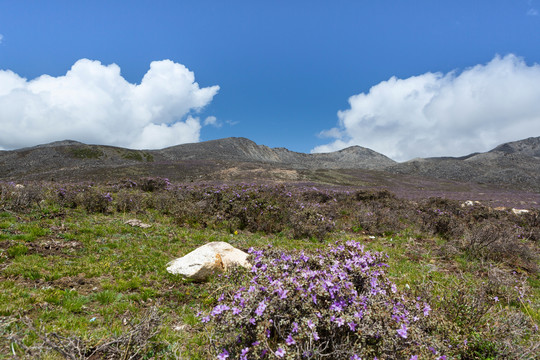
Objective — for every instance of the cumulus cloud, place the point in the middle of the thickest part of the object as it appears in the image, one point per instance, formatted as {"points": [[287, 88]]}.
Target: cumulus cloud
{"points": [[93, 103], [437, 114]]}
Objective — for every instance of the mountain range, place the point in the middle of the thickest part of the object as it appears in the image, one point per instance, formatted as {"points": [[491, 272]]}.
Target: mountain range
{"points": [[514, 165]]}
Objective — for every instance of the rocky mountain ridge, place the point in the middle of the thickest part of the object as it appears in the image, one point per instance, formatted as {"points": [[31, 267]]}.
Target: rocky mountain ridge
{"points": [[242, 149], [513, 165]]}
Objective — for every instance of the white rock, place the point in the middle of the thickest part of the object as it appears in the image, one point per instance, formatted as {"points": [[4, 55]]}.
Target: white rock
{"points": [[520, 211], [470, 203], [138, 223], [208, 259]]}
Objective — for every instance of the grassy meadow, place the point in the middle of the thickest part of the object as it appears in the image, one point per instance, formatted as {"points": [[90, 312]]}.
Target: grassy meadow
{"points": [[78, 282]]}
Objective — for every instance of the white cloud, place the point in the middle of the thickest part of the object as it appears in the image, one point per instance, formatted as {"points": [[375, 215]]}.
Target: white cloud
{"points": [[436, 114], [212, 120], [532, 12], [1, 38], [94, 104]]}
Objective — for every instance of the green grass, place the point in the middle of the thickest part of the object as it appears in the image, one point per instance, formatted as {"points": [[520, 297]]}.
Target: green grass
{"points": [[116, 273], [85, 153]]}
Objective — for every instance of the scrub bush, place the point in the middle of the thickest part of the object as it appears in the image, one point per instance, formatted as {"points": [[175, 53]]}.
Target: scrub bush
{"points": [[334, 304]]}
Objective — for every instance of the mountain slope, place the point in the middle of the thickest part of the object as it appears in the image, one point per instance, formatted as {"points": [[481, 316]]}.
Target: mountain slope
{"points": [[515, 164], [74, 160], [242, 149]]}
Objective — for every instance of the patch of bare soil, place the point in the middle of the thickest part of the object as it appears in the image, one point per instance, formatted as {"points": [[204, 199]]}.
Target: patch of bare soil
{"points": [[5, 244], [259, 173], [50, 247], [80, 282]]}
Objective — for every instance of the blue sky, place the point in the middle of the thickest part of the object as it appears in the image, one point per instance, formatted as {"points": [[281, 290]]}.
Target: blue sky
{"points": [[284, 70]]}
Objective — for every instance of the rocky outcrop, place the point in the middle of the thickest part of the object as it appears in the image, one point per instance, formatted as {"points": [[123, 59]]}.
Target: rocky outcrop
{"points": [[208, 259]]}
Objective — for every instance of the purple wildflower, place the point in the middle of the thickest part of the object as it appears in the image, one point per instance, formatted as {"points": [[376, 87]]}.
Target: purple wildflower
{"points": [[223, 355], [402, 331], [219, 309], [290, 340], [337, 306], [280, 352], [282, 293], [427, 309], [260, 309], [244, 352]]}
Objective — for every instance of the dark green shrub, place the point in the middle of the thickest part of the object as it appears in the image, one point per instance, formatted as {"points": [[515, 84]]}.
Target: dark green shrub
{"points": [[85, 153]]}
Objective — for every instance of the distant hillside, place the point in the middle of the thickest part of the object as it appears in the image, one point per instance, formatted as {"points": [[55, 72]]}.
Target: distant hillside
{"points": [[245, 150], [74, 160], [514, 164]]}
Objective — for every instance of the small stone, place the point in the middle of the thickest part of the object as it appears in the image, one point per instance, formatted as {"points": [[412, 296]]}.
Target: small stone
{"points": [[137, 223]]}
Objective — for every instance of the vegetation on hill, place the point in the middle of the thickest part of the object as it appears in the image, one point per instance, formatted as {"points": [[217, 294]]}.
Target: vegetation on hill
{"points": [[391, 277]]}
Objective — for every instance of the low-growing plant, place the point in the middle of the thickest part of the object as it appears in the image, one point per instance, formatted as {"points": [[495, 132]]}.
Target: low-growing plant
{"points": [[500, 242], [335, 303], [17, 250], [136, 342]]}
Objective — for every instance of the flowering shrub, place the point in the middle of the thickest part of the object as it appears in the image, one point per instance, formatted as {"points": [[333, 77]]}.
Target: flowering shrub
{"points": [[153, 184], [93, 200], [309, 222], [334, 304], [19, 197]]}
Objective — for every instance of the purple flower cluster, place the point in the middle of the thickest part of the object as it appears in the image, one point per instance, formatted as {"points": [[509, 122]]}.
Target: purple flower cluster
{"points": [[315, 304]]}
